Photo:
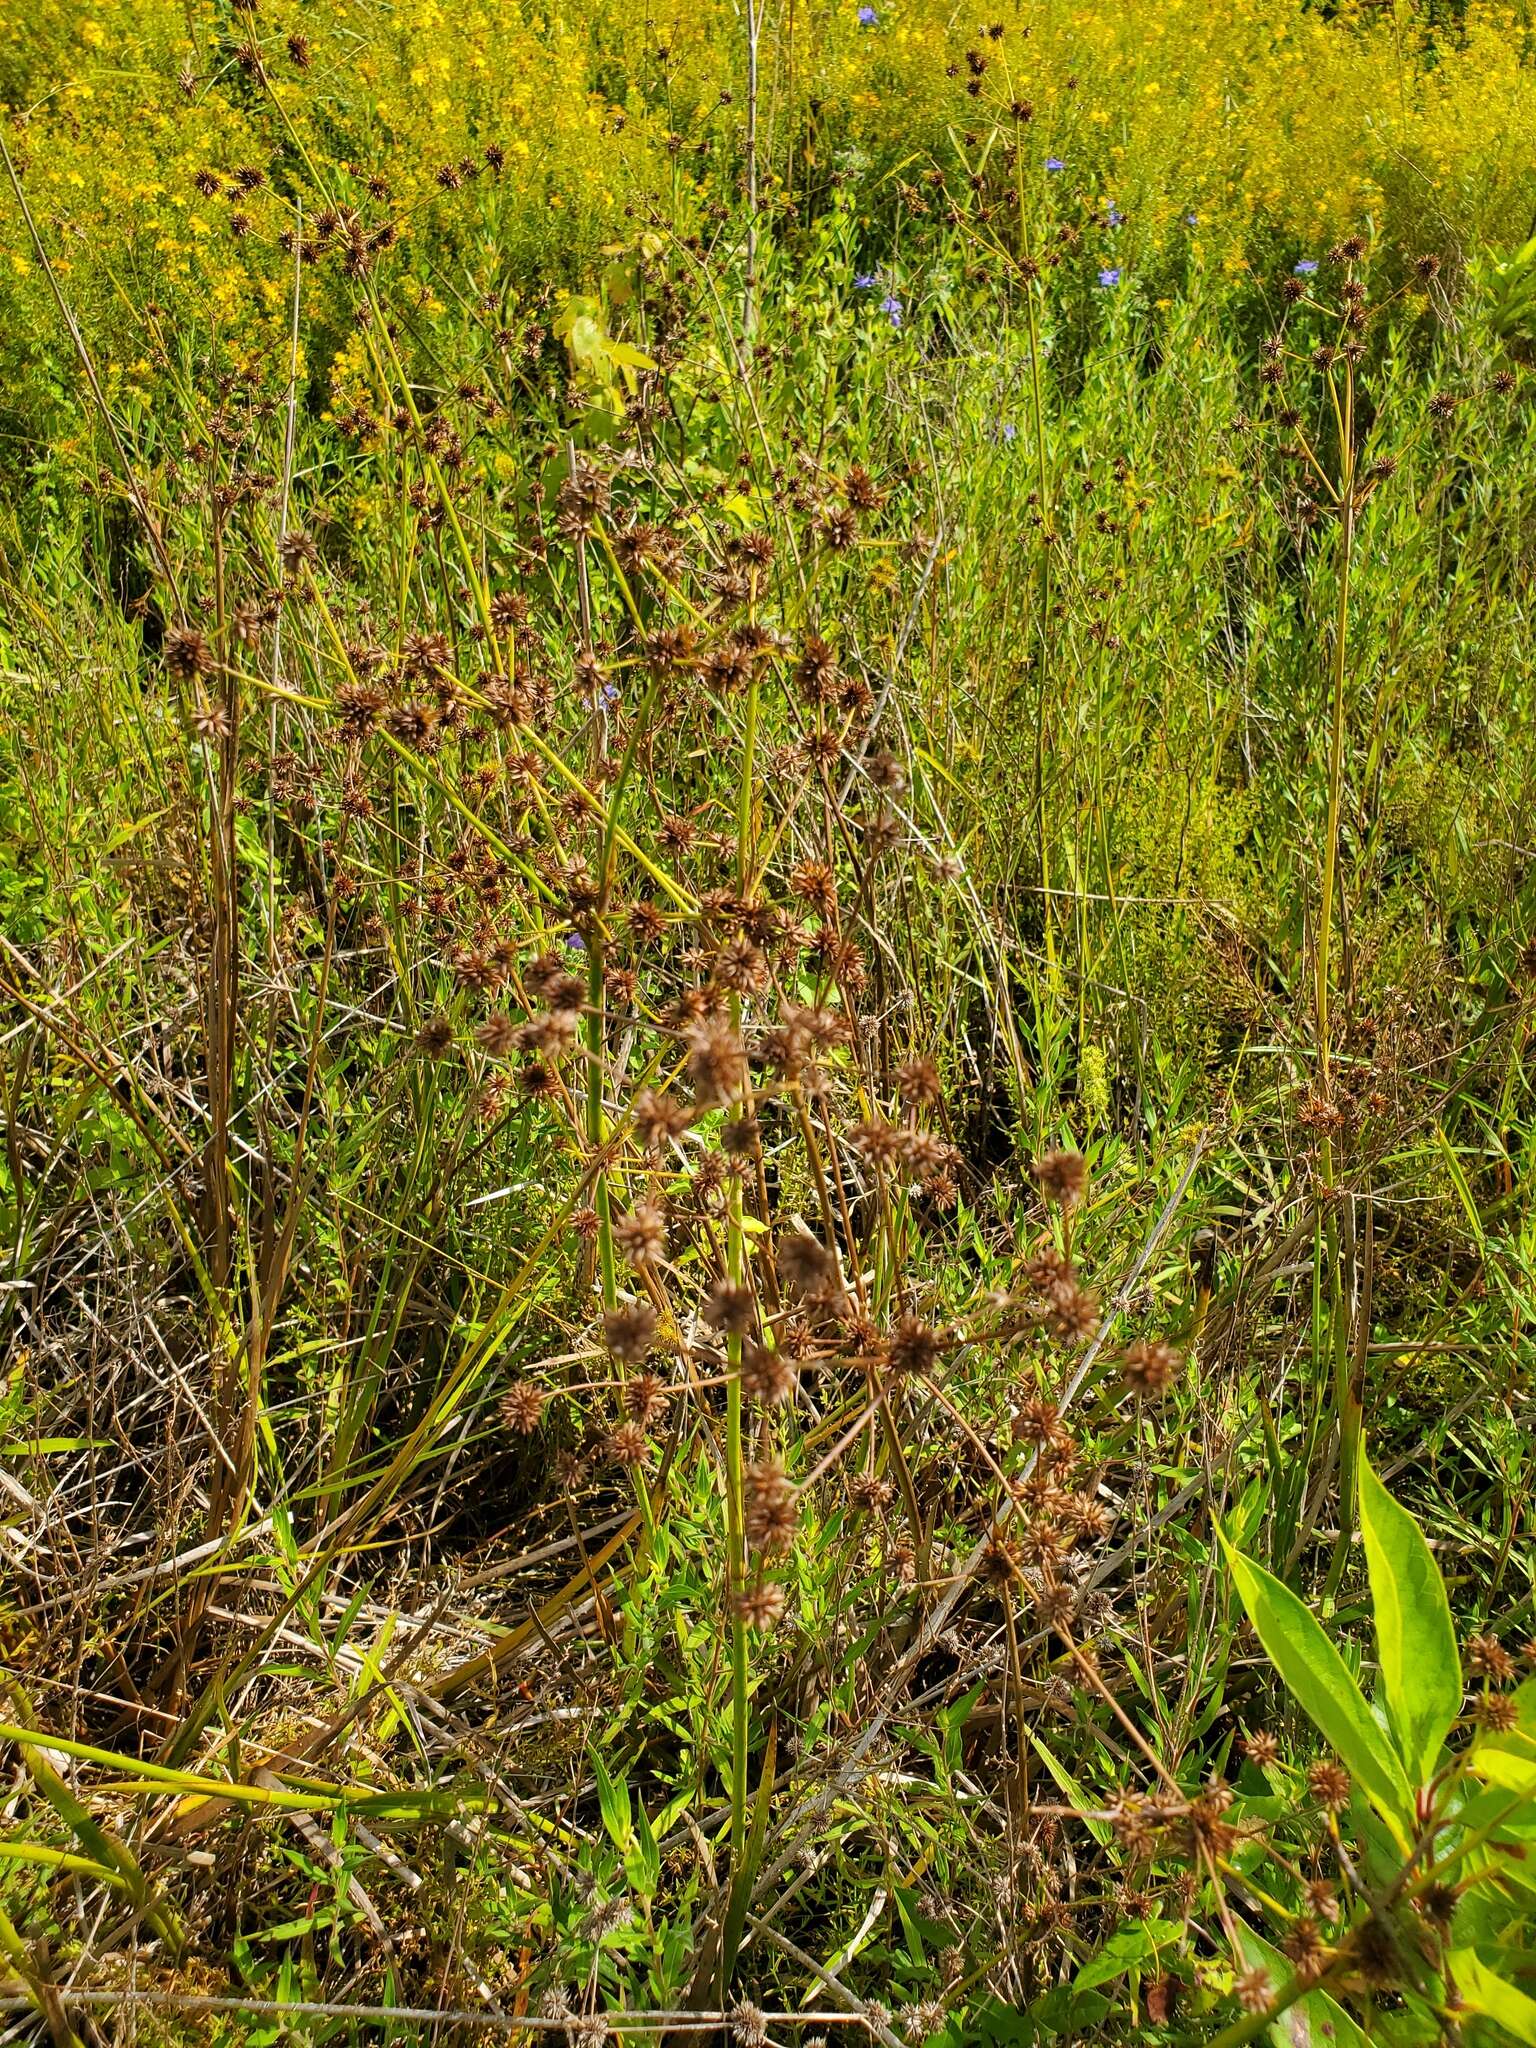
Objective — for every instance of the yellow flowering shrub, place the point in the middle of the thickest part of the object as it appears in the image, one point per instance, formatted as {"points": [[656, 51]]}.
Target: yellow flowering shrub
{"points": [[1241, 121], [117, 114], [1258, 111]]}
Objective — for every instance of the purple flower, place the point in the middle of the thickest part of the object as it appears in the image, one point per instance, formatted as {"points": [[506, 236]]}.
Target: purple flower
{"points": [[575, 943], [1306, 266], [1054, 163], [890, 305], [867, 17], [1114, 216], [1192, 220], [1009, 431], [1110, 277], [610, 693], [865, 282]]}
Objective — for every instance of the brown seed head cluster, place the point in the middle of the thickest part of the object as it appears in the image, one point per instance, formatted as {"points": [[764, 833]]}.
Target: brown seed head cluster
{"points": [[1062, 1178], [1149, 1367], [521, 1407], [772, 1511]]}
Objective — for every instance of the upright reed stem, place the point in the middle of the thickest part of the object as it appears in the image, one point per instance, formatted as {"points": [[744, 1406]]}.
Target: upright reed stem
{"points": [[736, 1559], [1335, 748], [1037, 406], [1346, 1392], [749, 297]]}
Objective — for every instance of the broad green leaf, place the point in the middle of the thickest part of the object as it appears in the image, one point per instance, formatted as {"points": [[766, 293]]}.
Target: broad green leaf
{"points": [[586, 342], [1316, 1674], [1489, 1807], [1310, 2021], [1496, 1765], [991, 2020], [628, 357], [1484, 1991], [1420, 1666], [1123, 1951], [618, 285], [1380, 1846], [951, 1721], [1507, 1758], [575, 308]]}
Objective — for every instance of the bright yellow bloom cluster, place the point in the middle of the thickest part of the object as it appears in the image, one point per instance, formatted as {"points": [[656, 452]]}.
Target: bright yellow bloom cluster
{"points": [[1248, 119], [124, 110], [1241, 112]]}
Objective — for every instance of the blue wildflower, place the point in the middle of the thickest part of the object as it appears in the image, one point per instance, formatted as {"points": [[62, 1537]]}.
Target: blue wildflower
{"points": [[575, 943], [890, 305], [865, 282], [1110, 276], [1009, 431], [1114, 216], [1054, 163], [867, 17], [1306, 266], [1191, 220]]}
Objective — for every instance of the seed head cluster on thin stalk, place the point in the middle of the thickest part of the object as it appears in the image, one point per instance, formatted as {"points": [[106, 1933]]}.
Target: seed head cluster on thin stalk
{"points": [[691, 1012]]}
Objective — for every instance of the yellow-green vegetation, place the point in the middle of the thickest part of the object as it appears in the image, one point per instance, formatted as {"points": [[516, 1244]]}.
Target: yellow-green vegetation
{"points": [[1264, 120], [767, 952]]}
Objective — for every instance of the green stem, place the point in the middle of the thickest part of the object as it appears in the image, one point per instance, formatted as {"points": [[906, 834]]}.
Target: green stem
{"points": [[1345, 1392], [736, 1561], [736, 1581], [597, 1123], [1037, 406], [1336, 748]]}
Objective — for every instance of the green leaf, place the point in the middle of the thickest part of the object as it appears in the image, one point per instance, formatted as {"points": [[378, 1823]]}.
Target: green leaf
{"points": [[52, 1446], [1314, 1671], [587, 343], [628, 357], [642, 1859], [1099, 1829], [991, 2020], [1507, 1757], [1414, 1636], [1497, 1765], [618, 285], [613, 1804], [1123, 1951], [951, 1720], [101, 1846], [1309, 2020], [1484, 1991]]}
